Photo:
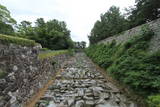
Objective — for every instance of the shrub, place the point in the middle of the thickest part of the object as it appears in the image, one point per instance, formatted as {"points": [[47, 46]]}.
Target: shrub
{"points": [[154, 101], [130, 63]]}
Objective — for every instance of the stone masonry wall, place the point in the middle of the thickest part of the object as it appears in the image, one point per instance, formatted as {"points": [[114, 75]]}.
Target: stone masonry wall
{"points": [[22, 74], [125, 36]]}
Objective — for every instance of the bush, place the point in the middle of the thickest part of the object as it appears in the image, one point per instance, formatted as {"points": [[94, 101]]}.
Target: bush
{"points": [[154, 101], [130, 63]]}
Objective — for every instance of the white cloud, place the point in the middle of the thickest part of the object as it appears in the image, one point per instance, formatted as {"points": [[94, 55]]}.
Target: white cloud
{"points": [[80, 15]]}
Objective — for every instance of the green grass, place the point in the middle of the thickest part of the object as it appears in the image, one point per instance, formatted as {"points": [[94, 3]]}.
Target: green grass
{"points": [[6, 39], [52, 54], [44, 49]]}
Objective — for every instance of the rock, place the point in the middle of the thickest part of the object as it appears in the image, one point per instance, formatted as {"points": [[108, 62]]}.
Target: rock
{"points": [[79, 103], [23, 56], [105, 96], [101, 101], [2, 103], [13, 98], [117, 100], [71, 102], [2, 81], [52, 104], [90, 102], [15, 68], [42, 105], [81, 92]]}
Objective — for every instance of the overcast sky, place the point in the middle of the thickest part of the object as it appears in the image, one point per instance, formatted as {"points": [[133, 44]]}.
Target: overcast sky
{"points": [[80, 15]]}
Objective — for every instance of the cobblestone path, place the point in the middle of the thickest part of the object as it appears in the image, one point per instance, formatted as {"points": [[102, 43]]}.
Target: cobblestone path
{"points": [[80, 84]]}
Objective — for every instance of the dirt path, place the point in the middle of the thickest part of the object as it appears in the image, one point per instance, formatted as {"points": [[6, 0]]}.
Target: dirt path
{"points": [[81, 84]]}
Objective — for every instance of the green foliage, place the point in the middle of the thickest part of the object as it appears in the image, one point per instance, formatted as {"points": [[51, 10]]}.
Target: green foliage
{"points": [[44, 49], [110, 23], [5, 15], [5, 39], [2, 74], [130, 63], [144, 11], [113, 22], [25, 29], [71, 51], [80, 45], [6, 29], [6, 21], [52, 34], [51, 54], [101, 54], [154, 101]]}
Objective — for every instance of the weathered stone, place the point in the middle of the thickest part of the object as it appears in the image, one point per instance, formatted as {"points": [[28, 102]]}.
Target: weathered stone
{"points": [[79, 103], [71, 102], [25, 72], [13, 98], [15, 68]]}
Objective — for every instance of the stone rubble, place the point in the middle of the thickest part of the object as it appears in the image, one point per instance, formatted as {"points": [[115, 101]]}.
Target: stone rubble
{"points": [[80, 84]]}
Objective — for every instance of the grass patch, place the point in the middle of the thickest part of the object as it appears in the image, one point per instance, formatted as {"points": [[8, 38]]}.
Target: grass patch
{"points": [[5, 39], [51, 54], [45, 49]]}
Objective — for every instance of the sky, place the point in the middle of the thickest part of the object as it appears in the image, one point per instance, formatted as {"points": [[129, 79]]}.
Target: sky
{"points": [[80, 15]]}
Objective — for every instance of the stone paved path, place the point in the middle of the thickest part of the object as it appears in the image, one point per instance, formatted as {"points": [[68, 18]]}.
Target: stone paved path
{"points": [[80, 84]]}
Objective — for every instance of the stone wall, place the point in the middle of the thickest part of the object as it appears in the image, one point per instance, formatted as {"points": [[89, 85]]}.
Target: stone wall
{"points": [[125, 36], [22, 74]]}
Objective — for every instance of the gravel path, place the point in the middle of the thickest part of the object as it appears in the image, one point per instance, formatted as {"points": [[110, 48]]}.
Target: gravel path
{"points": [[80, 84]]}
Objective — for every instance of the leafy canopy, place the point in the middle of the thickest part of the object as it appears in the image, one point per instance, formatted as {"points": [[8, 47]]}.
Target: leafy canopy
{"points": [[110, 23], [6, 21]]}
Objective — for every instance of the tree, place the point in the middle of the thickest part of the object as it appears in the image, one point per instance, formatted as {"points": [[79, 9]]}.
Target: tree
{"points": [[80, 45], [58, 35], [144, 11], [6, 28], [83, 44], [25, 29], [5, 15], [52, 34], [110, 23], [6, 21]]}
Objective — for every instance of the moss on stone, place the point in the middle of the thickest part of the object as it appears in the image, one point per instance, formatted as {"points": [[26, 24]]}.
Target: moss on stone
{"points": [[2, 74]]}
